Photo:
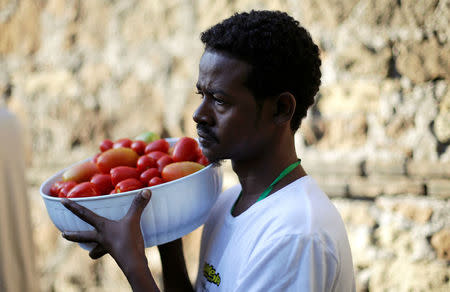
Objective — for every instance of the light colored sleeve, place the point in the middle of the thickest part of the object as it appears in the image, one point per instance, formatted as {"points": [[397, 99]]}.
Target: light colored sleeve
{"points": [[290, 263]]}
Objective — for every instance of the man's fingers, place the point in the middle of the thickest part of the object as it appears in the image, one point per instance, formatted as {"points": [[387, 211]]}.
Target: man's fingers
{"points": [[83, 213], [80, 236], [97, 252], [139, 203]]}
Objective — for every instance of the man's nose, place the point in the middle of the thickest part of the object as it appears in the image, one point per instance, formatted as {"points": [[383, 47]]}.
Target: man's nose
{"points": [[203, 115]]}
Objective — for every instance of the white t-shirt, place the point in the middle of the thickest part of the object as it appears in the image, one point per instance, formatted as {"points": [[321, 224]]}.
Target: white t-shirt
{"points": [[293, 240]]}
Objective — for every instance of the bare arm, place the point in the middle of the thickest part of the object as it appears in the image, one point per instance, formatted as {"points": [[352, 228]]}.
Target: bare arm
{"points": [[121, 239], [175, 274]]}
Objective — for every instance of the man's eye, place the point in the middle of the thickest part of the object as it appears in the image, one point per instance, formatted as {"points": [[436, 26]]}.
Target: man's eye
{"points": [[218, 101]]}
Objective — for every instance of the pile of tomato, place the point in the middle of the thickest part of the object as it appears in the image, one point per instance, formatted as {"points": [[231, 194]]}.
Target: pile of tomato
{"points": [[126, 165]]}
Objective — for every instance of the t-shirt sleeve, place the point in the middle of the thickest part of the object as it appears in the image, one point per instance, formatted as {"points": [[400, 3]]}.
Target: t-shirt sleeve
{"points": [[290, 263]]}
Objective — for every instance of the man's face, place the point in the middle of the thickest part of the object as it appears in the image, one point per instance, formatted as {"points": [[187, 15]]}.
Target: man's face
{"points": [[230, 124]]}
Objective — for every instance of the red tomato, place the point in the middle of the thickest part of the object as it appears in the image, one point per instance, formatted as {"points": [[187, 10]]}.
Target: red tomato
{"points": [[103, 183], [55, 188], [113, 192], [106, 145], [147, 175], [116, 157], [155, 181], [84, 189], [185, 149], [129, 184], [158, 145], [67, 186], [145, 162], [156, 155], [203, 160], [125, 142], [138, 146], [121, 173], [177, 170], [163, 161]]}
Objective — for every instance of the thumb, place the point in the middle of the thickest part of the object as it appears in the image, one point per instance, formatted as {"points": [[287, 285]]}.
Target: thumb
{"points": [[139, 203]]}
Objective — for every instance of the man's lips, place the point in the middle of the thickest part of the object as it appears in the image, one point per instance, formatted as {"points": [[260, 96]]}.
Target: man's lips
{"points": [[206, 135]]}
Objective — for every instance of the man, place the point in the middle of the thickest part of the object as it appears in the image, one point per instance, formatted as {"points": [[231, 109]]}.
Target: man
{"points": [[276, 230]]}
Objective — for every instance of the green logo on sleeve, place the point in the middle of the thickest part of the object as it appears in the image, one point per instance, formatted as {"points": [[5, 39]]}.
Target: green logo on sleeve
{"points": [[210, 274]]}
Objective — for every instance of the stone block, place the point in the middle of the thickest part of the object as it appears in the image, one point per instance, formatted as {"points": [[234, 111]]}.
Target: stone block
{"points": [[364, 61], [20, 24], [54, 85], [441, 124], [416, 213], [374, 186], [423, 60], [442, 127], [441, 243], [327, 13], [363, 251], [439, 188], [410, 208], [344, 132], [403, 275], [385, 167], [357, 213], [365, 187], [334, 165], [402, 185], [349, 97], [93, 76], [428, 169]]}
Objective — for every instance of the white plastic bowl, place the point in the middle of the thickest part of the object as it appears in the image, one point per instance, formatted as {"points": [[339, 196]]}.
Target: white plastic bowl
{"points": [[175, 209]]}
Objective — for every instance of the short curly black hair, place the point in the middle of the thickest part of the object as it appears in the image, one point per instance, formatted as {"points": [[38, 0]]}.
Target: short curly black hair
{"points": [[280, 51]]}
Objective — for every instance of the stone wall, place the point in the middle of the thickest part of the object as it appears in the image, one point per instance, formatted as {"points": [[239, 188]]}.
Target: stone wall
{"points": [[76, 72]]}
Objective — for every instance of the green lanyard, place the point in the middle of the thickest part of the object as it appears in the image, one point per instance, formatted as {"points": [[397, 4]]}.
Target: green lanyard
{"points": [[267, 191]]}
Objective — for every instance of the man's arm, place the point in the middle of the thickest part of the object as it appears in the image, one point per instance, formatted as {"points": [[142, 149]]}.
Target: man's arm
{"points": [[139, 276], [175, 273], [122, 239]]}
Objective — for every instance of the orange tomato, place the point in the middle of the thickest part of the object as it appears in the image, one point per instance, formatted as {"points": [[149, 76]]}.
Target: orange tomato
{"points": [[178, 170], [117, 157], [80, 172]]}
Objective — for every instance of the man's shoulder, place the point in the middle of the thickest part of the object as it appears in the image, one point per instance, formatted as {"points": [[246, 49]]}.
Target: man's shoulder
{"points": [[299, 208], [229, 195], [224, 202]]}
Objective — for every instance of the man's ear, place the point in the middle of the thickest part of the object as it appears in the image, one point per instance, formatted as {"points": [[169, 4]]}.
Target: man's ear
{"points": [[284, 107]]}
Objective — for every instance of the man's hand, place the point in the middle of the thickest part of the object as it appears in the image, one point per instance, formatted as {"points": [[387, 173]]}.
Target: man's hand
{"points": [[122, 239]]}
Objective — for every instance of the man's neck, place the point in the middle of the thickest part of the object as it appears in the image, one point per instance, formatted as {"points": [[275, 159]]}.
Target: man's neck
{"points": [[256, 174]]}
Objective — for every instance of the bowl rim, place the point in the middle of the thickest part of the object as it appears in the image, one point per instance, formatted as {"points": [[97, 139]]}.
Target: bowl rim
{"points": [[108, 196]]}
